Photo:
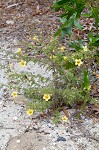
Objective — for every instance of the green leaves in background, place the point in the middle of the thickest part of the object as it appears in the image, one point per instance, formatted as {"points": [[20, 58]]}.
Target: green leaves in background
{"points": [[69, 65], [86, 80], [67, 26], [77, 45], [93, 39], [71, 12]]}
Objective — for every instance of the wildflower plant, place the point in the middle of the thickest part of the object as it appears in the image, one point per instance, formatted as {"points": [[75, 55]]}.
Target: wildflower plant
{"points": [[70, 82], [69, 65]]}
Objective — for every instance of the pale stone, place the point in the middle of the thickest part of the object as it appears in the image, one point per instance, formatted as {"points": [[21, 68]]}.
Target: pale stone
{"points": [[15, 118], [10, 22], [18, 141]]}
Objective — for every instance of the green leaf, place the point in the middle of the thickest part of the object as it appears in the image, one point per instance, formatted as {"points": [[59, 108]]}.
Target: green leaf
{"points": [[90, 38], [74, 45], [77, 46], [60, 29], [69, 65], [96, 43], [61, 2], [95, 14], [87, 15], [63, 19], [67, 30], [97, 58], [80, 42], [58, 32], [86, 81], [70, 13], [77, 24]]}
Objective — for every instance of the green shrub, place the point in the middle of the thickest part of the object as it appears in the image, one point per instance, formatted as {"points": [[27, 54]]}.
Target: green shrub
{"points": [[70, 83]]}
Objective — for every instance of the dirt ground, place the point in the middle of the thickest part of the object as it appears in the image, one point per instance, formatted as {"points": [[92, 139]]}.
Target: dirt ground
{"points": [[28, 18], [29, 141]]}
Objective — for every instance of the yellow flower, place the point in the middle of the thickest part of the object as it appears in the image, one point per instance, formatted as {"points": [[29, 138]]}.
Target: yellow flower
{"points": [[19, 50], [52, 39], [30, 112], [35, 38], [47, 97], [64, 118], [14, 94], [89, 88], [52, 56], [85, 48], [65, 57], [22, 63], [11, 65], [53, 51], [62, 48], [78, 62]]}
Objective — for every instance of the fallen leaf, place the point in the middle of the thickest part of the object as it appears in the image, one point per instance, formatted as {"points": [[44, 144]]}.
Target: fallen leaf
{"points": [[97, 75], [38, 9], [65, 112]]}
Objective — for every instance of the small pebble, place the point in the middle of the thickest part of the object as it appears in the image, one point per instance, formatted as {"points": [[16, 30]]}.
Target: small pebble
{"points": [[60, 138], [18, 141], [1, 125], [15, 118], [44, 148], [1, 102], [10, 22]]}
